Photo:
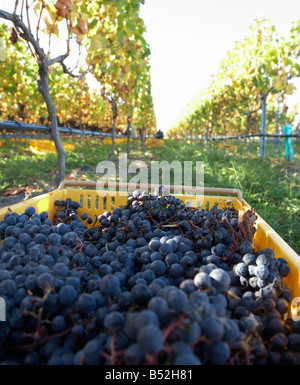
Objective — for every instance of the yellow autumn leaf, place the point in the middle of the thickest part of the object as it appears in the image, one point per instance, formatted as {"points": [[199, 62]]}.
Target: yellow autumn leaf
{"points": [[51, 10], [79, 37], [55, 31], [277, 83], [48, 25], [49, 15], [290, 88], [51, 6], [96, 44], [37, 8]]}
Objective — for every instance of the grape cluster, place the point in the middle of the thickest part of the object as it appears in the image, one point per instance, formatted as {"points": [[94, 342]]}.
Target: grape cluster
{"points": [[152, 282]]}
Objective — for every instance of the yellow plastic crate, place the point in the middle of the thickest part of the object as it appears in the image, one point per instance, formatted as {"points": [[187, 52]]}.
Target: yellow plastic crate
{"points": [[93, 204], [153, 142], [230, 147], [39, 147], [23, 140], [117, 140]]}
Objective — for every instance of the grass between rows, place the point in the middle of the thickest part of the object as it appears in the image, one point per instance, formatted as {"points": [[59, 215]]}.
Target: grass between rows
{"points": [[270, 184]]}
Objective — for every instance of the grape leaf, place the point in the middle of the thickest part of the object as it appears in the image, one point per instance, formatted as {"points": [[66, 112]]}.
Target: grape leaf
{"points": [[247, 220]]}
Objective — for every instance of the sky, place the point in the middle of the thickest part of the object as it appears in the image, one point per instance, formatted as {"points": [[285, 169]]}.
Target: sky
{"points": [[189, 38]]}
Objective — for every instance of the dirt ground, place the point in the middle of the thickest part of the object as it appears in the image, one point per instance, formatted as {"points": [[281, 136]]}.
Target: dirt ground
{"points": [[11, 200]]}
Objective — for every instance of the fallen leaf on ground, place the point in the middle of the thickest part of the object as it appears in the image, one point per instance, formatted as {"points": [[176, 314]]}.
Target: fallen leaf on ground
{"points": [[73, 174], [29, 190], [15, 191]]}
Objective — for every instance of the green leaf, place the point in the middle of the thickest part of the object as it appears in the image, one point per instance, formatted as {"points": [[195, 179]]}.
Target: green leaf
{"points": [[120, 37], [93, 23]]}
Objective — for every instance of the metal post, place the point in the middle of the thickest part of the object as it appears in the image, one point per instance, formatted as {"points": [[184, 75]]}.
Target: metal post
{"points": [[262, 149], [265, 123], [277, 123], [206, 137]]}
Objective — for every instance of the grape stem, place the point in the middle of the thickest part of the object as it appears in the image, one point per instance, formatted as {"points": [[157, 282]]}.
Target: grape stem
{"points": [[243, 347], [153, 220], [172, 326], [42, 340], [38, 335], [235, 239], [226, 221], [182, 233], [95, 221], [114, 353], [94, 227], [39, 330], [79, 244], [193, 225], [151, 359]]}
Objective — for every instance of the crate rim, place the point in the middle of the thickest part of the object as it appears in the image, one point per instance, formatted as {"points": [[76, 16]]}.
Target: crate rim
{"points": [[206, 190]]}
